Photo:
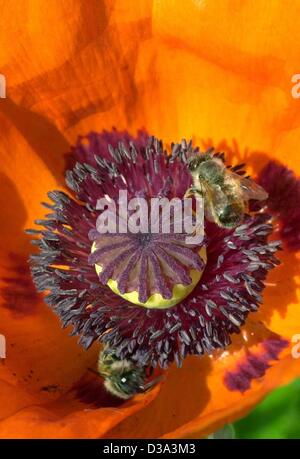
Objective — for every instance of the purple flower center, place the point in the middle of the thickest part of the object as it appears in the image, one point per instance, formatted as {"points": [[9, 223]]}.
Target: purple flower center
{"points": [[146, 264]]}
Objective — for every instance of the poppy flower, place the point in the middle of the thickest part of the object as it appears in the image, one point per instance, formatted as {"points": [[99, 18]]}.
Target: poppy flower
{"points": [[144, 70]]}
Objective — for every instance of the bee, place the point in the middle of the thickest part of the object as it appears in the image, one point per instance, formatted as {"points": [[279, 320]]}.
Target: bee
{"points": [[122, 377], [225, 193]]}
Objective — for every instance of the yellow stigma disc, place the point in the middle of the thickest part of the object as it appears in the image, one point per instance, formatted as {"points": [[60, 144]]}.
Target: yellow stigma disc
{"points": [[156, 301]]}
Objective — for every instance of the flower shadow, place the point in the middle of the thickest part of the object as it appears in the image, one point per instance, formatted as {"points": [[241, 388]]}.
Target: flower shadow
{"points": [[43, 136], [89, 389], [18, 294]]}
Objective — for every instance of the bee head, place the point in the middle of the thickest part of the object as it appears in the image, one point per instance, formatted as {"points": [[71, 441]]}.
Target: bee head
{"points": [[124, 381], [193, 163]]}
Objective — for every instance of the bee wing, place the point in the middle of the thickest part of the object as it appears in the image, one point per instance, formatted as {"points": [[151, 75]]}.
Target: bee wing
{"points": [[249, 188]]}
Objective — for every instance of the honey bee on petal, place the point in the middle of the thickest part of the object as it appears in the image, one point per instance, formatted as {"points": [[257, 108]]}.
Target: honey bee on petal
{"points": [[122, 377], [225, 193]]}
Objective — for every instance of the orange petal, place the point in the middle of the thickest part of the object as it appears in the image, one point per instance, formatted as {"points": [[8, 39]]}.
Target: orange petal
{"points": [[31, 164], [79, 63], [65, 418], [280, 308], [226, 75], [46, 389], [176, 69], [192, 69], [197, 399], [226, 407]]}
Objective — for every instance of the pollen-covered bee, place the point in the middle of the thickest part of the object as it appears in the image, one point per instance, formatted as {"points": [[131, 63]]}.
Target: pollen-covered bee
{"points": [[225, 193], [122, 377]]}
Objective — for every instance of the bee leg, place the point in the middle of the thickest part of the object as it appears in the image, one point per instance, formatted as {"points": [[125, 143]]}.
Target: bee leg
{"points": [[94, 372], [192, 192], [196, 230], [147, 386], [149, 371], [189, 193]]}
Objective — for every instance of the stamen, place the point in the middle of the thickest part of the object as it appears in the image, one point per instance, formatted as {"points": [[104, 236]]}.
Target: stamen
{"points": [[153, 300]]}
